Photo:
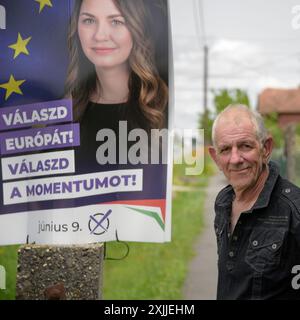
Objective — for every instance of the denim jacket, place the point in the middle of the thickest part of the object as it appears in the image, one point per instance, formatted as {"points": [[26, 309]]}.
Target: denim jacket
{"points": [[256, 261]]}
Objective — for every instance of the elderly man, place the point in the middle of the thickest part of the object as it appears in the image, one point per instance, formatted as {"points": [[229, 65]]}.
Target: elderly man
{"points": [[257, 221]]}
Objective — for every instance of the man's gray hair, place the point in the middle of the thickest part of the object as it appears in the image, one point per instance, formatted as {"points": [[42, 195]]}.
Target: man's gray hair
{"points": [[255, 117]]}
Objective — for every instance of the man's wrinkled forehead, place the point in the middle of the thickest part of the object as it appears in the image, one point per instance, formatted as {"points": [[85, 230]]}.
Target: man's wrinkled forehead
{"points": [[235, 121], [236, 118]]}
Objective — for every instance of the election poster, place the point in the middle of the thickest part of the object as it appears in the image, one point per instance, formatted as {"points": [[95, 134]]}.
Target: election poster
{"points": [[85, 121]]}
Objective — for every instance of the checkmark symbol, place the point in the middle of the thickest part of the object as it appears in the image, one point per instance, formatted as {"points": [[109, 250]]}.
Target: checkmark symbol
{"points": [[99, 223]]}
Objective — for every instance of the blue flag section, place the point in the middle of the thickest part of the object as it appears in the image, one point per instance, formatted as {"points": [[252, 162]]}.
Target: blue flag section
{"points": [[33, 51]]}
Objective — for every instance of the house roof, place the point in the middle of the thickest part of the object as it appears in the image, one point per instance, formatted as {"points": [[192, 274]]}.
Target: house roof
{"points": [[279, 100]]}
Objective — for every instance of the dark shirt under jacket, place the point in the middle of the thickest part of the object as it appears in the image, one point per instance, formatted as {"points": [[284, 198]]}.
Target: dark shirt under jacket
{"points": [[256, 260], [97, 117]]}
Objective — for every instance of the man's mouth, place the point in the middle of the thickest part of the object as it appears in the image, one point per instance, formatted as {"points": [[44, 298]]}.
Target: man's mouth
{"points": [[240, 170]]}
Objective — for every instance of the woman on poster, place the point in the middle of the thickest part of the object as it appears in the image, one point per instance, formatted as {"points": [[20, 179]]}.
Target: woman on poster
{"points": [[118, 53]]}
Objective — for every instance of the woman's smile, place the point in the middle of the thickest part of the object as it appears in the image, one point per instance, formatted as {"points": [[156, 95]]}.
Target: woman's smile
{"points": [[104, 50]]}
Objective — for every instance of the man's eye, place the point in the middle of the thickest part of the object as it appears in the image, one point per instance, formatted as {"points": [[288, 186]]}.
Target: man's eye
{"points": [[224, 150], [246, 147]]}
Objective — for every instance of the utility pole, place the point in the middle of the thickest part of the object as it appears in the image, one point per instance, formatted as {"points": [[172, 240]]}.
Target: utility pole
{"points": [[205, 78], [205, 121]]}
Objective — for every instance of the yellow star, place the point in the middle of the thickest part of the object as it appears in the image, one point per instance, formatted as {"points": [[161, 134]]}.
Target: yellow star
{"points": [[20, 46], [44, 3], [12, 86]]}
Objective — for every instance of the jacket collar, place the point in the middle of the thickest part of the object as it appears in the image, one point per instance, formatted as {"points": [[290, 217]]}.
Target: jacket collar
{"points": [[263, 200]]}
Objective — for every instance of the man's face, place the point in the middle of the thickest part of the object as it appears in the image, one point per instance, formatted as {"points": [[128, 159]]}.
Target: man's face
{"points": [[238, 153]]}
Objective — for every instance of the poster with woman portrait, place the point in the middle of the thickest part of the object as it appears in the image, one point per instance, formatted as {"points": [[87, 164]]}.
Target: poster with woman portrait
{"points": [[85, 119]]}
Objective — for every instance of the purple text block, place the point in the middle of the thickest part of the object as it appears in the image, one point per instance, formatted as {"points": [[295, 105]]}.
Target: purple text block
{"points": [[37, 113], [55, 137]]}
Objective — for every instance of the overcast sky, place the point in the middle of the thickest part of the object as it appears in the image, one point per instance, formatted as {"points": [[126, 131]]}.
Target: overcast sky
{"points": [[252, 45]]}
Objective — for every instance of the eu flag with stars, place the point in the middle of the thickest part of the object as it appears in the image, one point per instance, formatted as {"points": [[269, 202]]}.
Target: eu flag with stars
{"points": [[33, 50]]}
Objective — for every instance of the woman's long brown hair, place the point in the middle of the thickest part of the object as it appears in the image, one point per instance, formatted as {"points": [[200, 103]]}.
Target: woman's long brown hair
{"points": [[148, 93]]}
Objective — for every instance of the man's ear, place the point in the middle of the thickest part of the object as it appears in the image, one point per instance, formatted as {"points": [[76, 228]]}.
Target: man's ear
{"points": [[267, 148], [213, 153]]}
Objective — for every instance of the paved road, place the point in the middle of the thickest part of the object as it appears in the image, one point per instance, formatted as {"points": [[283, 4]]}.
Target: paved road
{"points": [[201, 282]]}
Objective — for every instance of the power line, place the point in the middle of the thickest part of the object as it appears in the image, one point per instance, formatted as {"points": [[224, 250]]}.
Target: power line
{"points": [[233, 77], [201, 16], [198, 20], [256, 68]]}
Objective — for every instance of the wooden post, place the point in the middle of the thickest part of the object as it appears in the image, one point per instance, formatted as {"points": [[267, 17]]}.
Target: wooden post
{"points": [[60, 272], [290, 138]]}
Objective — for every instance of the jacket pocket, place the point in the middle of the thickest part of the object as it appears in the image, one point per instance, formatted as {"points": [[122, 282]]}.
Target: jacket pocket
{"points": [[264, 249]]}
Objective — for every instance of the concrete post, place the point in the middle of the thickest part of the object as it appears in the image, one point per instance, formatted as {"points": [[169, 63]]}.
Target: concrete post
{"points": [[60, 272]]}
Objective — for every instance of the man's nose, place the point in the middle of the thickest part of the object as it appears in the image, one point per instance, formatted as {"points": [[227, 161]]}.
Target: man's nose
{"points": [[101, 32], [235, 156]]}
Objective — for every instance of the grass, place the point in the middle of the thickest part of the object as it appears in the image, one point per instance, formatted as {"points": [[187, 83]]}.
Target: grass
{"points": [[8, 259], [157, 271], [151, 271], [181, 179]]}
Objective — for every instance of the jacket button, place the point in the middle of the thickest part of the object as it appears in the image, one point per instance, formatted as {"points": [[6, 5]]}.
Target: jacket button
{"points": [[288, 190], [231, 254], [255, 243], [274, 246], [229, 265]]}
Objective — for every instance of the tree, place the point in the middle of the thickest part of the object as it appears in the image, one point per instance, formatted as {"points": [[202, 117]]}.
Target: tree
{"points": [[271, 123], [222, 98], [205, 122]]}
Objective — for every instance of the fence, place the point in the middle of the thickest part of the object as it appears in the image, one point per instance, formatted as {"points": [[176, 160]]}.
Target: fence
{"points": [[279, 157]]}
